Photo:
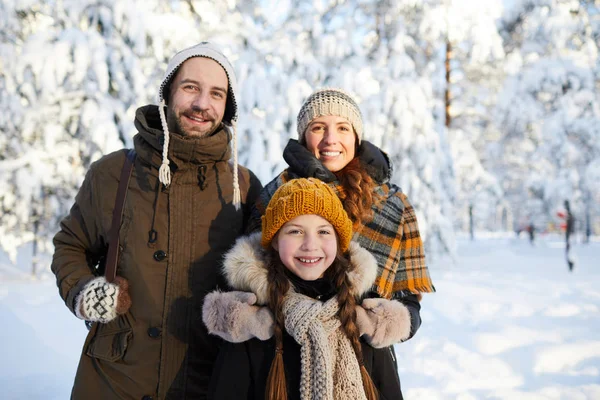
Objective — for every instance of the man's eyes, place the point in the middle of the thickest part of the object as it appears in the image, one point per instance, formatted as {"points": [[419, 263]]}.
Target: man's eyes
{"points": [[217, 94]]}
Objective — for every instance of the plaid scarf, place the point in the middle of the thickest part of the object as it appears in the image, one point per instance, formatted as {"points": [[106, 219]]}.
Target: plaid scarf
{"points": [[392, 236]]}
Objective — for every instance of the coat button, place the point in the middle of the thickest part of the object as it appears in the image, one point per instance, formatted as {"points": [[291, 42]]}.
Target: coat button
{"points": [[154, 332], [160, 255]]}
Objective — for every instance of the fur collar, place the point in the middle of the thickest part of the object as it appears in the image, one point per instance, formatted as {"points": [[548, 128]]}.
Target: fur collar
{"points": [[245, 270]]}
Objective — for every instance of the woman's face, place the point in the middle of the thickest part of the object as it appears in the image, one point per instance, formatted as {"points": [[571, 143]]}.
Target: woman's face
{"points": [[332, 140], [307, 246]]}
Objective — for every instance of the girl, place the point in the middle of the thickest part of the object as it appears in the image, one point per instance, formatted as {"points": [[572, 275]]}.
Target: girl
{"points": [[309, 275]]}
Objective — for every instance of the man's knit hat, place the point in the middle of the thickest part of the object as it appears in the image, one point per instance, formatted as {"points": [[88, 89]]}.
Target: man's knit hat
{"points": [[301, 197], [330, 101], [207, 50], [230, 116]]}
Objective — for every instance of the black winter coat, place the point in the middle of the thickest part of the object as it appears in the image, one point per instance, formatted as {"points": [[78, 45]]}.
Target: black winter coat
{"points": [[242, 370]]}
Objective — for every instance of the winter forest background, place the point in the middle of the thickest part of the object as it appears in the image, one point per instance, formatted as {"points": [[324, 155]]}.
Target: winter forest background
{"points": [[490, 110]]}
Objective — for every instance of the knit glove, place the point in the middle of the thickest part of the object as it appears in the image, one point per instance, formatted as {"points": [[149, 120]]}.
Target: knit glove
{"points": [[234, 317], [100, 301], [383, 322]]}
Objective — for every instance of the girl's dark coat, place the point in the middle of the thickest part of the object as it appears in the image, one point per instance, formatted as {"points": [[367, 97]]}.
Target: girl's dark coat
{"points": [[241, 369]]}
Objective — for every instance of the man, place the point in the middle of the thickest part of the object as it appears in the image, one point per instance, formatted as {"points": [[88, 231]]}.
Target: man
{"points": [[181, 214]]}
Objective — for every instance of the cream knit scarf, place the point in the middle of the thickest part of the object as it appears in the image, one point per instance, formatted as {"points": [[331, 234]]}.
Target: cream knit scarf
{"points": [[330, 370]]}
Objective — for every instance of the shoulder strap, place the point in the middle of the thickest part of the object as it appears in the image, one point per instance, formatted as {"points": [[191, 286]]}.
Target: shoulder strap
{"points": [[113, 244]]}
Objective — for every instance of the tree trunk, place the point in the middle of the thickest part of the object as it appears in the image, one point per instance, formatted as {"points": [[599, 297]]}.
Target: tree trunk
{"points": [[588, 223], [447, 92], [34, 255]]}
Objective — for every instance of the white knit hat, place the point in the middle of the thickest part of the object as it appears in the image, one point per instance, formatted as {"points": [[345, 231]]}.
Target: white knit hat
{"points": [[230, 116], [330, 101]]}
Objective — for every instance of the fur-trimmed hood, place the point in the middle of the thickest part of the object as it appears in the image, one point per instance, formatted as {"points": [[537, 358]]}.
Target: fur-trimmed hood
{"points": [[245, 268], [243, 314]]}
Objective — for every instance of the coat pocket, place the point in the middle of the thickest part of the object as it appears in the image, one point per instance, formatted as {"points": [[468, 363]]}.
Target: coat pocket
{"points": [[109, 345]]}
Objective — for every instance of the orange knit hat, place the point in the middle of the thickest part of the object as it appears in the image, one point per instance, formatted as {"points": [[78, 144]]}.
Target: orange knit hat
{"points": [[301, 197]]}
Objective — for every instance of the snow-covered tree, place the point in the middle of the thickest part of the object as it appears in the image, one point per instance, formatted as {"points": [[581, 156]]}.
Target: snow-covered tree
{"points": [[475, 61], [549, 110], [384, 53], [74, 72]]}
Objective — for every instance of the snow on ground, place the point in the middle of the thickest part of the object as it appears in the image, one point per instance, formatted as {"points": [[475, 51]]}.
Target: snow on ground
{"points": [[508, 321]]}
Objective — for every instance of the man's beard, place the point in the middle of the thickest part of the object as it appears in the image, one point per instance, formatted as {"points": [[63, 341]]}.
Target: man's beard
{"points": [[176, 126]]}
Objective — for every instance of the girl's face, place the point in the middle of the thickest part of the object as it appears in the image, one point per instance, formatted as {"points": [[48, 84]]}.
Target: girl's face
{"points": [[307, 246], [332, 140]]}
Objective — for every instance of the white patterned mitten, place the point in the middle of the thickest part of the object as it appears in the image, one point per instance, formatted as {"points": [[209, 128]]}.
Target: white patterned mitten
{"points": [[101, 301]]}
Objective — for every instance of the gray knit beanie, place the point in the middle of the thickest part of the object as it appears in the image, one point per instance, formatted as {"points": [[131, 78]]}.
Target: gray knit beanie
{"points": [[330, 101], [230, 116]]}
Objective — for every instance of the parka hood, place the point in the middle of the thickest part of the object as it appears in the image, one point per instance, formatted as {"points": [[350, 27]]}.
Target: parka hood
{"points": [[245, 268], [183, 151]]}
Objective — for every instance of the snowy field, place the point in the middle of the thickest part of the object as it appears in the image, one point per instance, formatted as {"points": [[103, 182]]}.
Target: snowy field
{"points": [[508, 321]]}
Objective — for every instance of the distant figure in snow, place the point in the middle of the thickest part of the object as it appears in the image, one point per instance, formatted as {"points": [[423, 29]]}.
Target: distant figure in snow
{"points": [[569, 229], [531, 230]]}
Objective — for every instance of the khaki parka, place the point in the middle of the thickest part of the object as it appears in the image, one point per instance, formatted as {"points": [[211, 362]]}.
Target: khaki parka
{"points": [[171, 245]]}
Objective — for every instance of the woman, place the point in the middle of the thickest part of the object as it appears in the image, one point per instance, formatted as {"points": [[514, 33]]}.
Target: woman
{"points": [[306, 271], [330, 148]]}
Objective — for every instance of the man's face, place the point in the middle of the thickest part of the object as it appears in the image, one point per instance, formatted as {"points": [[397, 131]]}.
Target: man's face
{"points": [[197, 99]]}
